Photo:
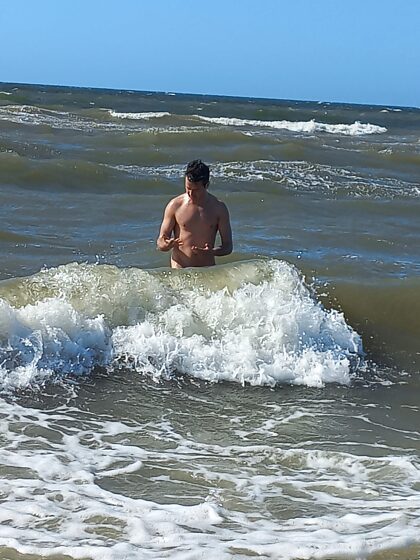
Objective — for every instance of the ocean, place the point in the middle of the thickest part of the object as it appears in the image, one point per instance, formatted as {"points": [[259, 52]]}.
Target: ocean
{"points": [[265, 407]]}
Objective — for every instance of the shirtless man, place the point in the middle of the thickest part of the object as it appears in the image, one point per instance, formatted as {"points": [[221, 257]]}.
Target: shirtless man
{"points": [[192, 220]]}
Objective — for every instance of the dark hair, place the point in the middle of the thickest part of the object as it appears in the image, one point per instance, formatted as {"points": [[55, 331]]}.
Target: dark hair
{"points": [[197, 171]]}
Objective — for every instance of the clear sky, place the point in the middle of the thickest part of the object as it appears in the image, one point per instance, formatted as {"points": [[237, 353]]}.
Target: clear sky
{"points": [[358, 51]]}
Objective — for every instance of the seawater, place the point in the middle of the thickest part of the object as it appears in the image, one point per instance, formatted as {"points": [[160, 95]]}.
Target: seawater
{"points": [[264, 407]]}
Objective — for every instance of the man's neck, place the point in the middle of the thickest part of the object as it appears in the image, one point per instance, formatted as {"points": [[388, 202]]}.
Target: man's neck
{"points": [[201, 201]]}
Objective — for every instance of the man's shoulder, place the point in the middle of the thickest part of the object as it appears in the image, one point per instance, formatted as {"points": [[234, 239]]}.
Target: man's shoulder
{"points": [[175, 203], [218, 204]]}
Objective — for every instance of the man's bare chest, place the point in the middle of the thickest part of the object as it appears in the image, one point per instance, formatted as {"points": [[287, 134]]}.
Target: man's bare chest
{"points": [[191, 217]]}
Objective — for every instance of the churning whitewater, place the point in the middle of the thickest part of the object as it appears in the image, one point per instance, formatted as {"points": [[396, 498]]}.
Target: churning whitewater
{"points": [[254, 322]]}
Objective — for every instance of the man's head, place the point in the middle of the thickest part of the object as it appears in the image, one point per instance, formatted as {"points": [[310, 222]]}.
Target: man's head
{"points": [[197, 177], [198, 172]]}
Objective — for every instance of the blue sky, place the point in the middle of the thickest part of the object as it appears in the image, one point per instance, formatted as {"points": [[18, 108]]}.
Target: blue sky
{"points": [[357, 51]]}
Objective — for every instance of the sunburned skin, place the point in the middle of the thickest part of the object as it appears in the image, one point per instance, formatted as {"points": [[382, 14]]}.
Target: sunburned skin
{"points": [[189, 227]]}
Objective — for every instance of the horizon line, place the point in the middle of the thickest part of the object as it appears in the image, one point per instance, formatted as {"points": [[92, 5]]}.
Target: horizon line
{"points": [[319, 101]]}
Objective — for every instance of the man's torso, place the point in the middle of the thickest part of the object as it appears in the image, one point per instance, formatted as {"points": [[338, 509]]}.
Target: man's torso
{"points": [[195, 225]]}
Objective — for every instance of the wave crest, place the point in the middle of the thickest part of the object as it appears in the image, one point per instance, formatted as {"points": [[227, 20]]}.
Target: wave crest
{"points": [[254, 322], [139, 116], [309, 127]]}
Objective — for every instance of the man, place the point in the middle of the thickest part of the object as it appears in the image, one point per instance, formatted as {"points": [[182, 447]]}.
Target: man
{"points": [[192, 220]]}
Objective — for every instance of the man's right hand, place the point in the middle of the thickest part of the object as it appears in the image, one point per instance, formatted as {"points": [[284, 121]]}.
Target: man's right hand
{"points": [[168, 243]]}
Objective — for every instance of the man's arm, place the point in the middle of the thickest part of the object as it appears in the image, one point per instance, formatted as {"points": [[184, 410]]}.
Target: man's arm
{"points": [[165, 242], [225, 232]]}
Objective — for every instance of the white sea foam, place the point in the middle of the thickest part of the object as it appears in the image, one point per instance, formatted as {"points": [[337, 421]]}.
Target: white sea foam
{"points": [[63, 493], [139, 116], [36, 116], [31, 110], [48, 337], [295, 175], [32, 115], [251, 323], [309, 127]]}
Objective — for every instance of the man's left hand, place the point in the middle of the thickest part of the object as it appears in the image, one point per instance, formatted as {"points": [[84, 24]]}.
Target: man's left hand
{"points": [[205, 249]]}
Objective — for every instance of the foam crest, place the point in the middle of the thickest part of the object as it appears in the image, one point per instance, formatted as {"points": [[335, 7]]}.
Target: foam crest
{"points": [[139, 116], [253, 322], [36, 116], [50, 337], [31, 110], [294, 175], [308, 127]]}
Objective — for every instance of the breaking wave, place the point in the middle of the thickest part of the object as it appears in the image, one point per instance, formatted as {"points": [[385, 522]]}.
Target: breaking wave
{"points": [[253, 322], [139, 116], [310, 127]]}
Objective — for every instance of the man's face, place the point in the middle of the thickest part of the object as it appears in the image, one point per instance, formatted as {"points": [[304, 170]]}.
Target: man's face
{"points": [[195, 191]]}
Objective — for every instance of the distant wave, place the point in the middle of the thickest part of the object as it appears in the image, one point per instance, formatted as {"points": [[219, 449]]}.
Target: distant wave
{"points": [[292, 175], [355, 129], [29, 114], [31, 110], [35, 116], [139, 116]]}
